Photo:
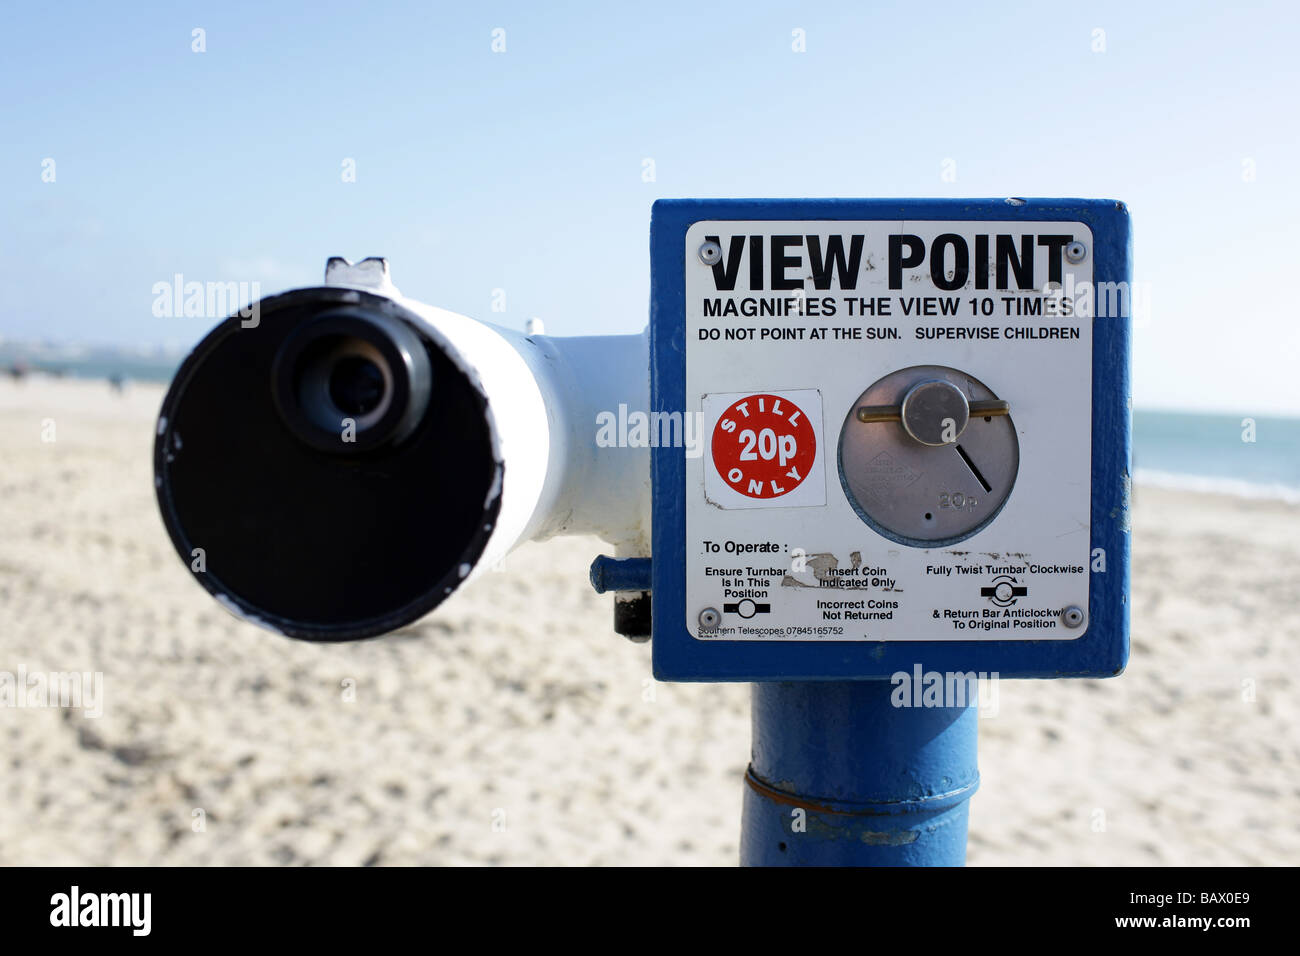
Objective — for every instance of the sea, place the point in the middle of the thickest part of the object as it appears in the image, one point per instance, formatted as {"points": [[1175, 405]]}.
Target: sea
{"points": [[91, 361], [1251, 456]]}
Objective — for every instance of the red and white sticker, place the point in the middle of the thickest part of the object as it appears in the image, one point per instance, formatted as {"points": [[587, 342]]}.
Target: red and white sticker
{"points": [[765, 449]]}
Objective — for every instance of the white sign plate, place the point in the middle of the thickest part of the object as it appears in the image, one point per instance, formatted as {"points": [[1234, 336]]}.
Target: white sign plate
{"points": [[787, 327]]}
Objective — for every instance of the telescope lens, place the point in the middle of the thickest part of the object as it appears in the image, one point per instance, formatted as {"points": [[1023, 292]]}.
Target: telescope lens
{"points": [[356, 385]]}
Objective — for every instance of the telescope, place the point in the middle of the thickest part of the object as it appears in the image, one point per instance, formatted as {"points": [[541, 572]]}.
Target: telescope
{"points": [[339, 466]]}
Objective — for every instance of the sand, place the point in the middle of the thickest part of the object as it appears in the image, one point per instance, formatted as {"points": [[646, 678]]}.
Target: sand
{"points": [[514, 727]]}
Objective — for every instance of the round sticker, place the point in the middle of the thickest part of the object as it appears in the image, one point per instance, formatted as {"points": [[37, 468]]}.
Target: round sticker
{"points": [[764, 446]]}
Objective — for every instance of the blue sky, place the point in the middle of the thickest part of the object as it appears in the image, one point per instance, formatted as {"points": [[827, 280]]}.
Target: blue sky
{"points": [[523, 170]]}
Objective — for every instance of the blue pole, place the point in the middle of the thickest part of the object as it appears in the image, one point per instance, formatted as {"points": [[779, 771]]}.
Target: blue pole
{"points": [[842, 777]]}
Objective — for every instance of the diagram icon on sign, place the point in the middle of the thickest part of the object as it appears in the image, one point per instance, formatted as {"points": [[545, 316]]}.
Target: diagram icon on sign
{"points": [[1004, 591], [747, 608]]}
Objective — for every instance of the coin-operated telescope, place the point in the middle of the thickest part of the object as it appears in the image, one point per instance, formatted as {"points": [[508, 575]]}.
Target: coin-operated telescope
{"points": [[910, 479]]}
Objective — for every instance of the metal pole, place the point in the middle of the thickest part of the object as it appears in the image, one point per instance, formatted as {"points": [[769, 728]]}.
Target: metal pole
{"points": [[840, 776]]}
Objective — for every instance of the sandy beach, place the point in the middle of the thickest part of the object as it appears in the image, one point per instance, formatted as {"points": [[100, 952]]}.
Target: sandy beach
{"points": [[514, 727]]}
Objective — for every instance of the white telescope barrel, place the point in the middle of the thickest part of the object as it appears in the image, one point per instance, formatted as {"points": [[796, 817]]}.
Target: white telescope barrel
{"points": [[545, 396]]}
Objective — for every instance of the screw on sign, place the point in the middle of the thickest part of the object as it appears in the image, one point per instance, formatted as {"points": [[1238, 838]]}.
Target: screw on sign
{"points": [[764, 446]]}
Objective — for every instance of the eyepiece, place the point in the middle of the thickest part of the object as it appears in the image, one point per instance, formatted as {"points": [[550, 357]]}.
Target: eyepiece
{"points": [[350, 380]]}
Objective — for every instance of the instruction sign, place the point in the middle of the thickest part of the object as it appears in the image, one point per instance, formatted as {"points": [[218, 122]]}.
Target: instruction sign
{"points": [[897, 428]]}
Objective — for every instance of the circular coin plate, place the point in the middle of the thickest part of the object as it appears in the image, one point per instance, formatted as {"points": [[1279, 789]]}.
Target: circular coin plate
{"points": [[921, 495]]}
